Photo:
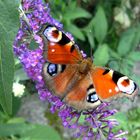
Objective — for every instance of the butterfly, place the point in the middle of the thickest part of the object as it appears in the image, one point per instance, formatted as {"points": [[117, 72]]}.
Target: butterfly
{"points": [[75, 79]]}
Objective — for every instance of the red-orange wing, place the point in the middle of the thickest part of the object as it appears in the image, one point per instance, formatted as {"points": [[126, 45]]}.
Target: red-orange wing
{"points": [[111, 84], [62, 54], [60, 78], [66, 82], [58, 48], [83, 95]]}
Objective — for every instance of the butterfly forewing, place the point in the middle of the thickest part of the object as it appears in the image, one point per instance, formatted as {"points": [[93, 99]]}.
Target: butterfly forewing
{"points": [[60, 78], [58, 48]]}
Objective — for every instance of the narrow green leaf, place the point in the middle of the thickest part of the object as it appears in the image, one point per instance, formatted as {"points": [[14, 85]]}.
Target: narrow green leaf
{"points": [[128, 41], [33, 132], [75, 13], [135, 56], [6, 75], [8, 28], [91, 39], [41, 132], [100, 25], [114, 54], [122, 119], [75, 31], [82, 119], [9, 18], [16, 120], [15, 128], [136, 40], [101, 56]]}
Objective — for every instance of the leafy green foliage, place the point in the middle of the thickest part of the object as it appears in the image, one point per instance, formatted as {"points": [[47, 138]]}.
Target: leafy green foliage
{"points": [[129, 40], [28, 131], [100, 25], [9, 19], [101, 55], [6, 75], [71, 13], [8, 28], [130, 121], [41, 132]]}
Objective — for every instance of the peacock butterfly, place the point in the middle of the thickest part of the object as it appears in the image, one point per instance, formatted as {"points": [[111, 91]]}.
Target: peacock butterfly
{"points": [[74, 78]]}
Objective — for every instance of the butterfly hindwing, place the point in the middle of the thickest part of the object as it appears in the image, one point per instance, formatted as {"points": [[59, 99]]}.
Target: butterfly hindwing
{"points": [[58, 48], [112, 84], [83, 95], [75, 89]]}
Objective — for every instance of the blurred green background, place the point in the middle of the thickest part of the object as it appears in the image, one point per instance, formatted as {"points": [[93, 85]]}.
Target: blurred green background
{"points": [[111, 28]]}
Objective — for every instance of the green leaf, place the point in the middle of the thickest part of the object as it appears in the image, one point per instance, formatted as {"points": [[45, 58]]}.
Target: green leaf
{"points": [[41, 132], [101, 56], [32, 132], [114, 65], [82, 119], [6, 75], [8, 28], [100, 25], [75, 31], [16, 105], [122, 119], [135, 56], [9, 18], [91, 39], [114, 54], [128, 41], [136, 78], [16, 120], [14, 129], [75, 13], [20, 75]]}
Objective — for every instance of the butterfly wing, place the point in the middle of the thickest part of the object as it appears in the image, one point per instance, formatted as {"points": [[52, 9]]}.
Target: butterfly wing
{"points": [[112, 84], [58, 48], [59, 78], [83, 95], [74, 88], [78, 83]]}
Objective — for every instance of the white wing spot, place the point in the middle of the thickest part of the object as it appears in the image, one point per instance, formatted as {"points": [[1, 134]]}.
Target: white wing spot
{"points": [[110, 90], [52, 44], [53, 50], [116, 89]]}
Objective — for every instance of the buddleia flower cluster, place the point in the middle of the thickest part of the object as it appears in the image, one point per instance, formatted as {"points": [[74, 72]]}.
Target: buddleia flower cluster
{"points": [[95, 124]]}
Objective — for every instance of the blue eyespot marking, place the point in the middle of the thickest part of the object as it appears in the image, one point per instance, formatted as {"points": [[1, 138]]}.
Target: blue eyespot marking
{"points": [[52, 69], [92, 97]]}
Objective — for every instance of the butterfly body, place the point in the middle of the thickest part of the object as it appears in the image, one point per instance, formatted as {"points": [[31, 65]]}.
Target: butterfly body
{"points": [[75, 79]]}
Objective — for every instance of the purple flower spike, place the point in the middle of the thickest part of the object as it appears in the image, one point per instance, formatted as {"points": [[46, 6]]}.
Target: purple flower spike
{"points": [[89, 125]]}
